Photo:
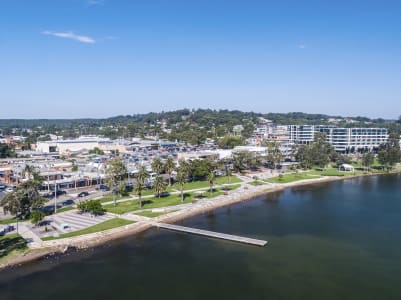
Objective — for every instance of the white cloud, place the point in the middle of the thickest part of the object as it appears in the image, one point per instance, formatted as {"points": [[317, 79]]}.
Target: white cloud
{"points": [[71, 35], [301, 46], [95, 2]]}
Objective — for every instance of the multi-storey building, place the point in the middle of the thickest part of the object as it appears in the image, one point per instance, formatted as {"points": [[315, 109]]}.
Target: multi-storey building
{"points": [[342, 139]]}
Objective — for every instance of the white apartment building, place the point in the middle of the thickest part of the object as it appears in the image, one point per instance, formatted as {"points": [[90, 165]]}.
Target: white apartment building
{"points": [[342, 139]]}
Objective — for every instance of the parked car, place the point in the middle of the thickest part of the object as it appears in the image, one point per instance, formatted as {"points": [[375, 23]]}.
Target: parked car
{"points": [[60, 192], [103, 187], [68, 202], [10, 189], [5, 229], [83, 194], [2, 187], [129, 186]]}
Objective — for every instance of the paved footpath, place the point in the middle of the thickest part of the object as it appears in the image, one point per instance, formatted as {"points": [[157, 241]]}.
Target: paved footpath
{"points": [[28, 234]]}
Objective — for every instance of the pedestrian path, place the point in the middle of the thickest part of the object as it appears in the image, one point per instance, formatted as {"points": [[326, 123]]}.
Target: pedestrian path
{"points": [[28, 234]]}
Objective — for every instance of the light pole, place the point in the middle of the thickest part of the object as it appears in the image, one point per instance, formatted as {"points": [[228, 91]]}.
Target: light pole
{"points": [[55, 196], [16, 216]]}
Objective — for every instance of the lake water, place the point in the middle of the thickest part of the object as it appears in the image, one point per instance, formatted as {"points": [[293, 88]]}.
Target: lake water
{"points": [[339, 240]]}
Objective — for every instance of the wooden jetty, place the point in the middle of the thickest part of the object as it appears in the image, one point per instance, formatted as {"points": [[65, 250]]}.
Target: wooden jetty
{"points": [[217, 235]]}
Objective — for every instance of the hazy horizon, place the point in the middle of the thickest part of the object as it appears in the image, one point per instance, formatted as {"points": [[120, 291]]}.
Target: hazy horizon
{"points": [[203, 108]]}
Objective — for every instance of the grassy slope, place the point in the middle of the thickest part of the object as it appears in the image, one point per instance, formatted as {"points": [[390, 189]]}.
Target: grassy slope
{"points": [[11, 245]]}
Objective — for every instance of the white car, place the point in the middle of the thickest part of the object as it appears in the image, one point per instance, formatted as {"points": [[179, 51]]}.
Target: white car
{"points": [[9, 189]]}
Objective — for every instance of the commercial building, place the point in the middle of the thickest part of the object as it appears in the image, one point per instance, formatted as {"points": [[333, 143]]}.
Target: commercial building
{"points": [[346, 140]]}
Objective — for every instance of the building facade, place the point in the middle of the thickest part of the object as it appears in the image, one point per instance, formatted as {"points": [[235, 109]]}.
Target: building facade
{"points": [[346, 140]]}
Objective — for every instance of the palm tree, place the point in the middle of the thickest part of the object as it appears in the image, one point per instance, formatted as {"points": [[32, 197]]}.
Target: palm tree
{"points": [[116, 171], [181, 179], [141, 178], [28, 171], [211, 178], [169, 167], [228, 174], [139, 187], [159, 185], [157, 165], [142, 174]]}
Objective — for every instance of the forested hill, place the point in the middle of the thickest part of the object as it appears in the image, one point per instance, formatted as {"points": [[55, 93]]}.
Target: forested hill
{"points": [[203, 117], [192, 126]]}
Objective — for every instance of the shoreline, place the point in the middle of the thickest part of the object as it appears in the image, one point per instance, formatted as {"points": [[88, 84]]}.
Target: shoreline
{"points": [[61, 246]]}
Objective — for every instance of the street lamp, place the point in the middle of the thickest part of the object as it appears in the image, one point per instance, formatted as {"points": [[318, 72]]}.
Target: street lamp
{"points": [[55, 196]]}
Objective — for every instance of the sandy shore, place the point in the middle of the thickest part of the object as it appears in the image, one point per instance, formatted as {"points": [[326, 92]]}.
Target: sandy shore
{"points": [[55, 247]]}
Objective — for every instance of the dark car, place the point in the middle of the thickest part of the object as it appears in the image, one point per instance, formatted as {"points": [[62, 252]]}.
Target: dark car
{"points": [[68, 202], [60, 192], [2, 187], [103, 187], [129, 186], [83, 194]]}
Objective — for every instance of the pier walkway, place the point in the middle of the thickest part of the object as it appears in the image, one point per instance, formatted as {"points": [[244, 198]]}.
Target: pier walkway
{"points": [[229, 237]]}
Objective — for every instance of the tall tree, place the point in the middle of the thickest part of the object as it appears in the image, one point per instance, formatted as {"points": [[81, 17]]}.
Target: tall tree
{"points": [[241, 160], [25, 198], [159, 185], [321, 150], [157, 165], [185, 166], [115, 171], [169, 166], [228, 174], [211, 178], [29, 171], [181, 179], [139, 187], [390, 153], [37, 216], [304, 156], [6, 151], [230, 141], [142, 175], [274, 154], [368, 159]]}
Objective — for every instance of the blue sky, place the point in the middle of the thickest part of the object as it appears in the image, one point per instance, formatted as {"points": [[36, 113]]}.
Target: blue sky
{"points": [[94, 58]]}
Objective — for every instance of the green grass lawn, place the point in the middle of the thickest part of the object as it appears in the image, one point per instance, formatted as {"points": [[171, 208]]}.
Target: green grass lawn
{"points": [[67, 208], [286, 178], [109, 224], [110, 198], [11, 245], [257, 182], [334, 172], [230, 187], [7, 221], [155, 202], [204, 183], [151, 214]]}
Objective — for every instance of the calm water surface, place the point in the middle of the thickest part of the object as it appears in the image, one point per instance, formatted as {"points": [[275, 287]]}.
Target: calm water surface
{"points": [[339, 240]]}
